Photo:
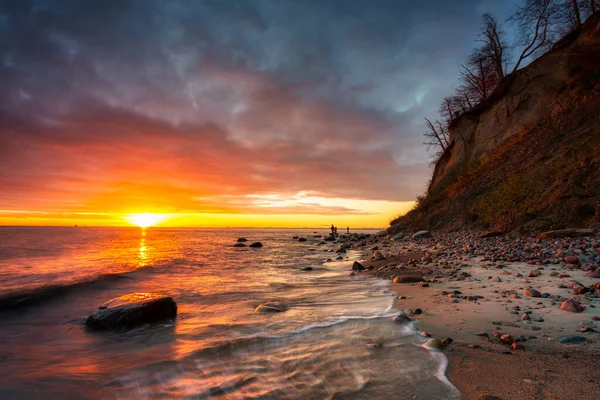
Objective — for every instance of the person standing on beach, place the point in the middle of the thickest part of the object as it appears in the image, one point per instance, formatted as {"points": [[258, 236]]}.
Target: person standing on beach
{"points": [[347, 229], [332, 229]]}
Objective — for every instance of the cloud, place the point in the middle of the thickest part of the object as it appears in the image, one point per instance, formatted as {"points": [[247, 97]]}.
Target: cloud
{"points": [[108, 106]]}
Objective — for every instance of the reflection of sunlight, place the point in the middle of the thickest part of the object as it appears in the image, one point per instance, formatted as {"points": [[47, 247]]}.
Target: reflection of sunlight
{"points": [[143, 250]]}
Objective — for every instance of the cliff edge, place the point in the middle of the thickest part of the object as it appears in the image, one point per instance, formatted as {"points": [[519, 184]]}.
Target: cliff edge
{"points": [[529, 156]]}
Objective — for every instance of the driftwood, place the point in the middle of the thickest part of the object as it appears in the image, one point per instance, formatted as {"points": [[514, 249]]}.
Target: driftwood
{"points": [[571, 232]]}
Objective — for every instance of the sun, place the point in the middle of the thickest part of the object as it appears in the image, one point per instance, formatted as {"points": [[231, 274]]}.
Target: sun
{"points": [[145, 220]]}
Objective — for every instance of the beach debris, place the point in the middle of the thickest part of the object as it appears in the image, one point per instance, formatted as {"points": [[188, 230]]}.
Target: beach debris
{"points": [[132, 310], [571, 232], [256, 245]]}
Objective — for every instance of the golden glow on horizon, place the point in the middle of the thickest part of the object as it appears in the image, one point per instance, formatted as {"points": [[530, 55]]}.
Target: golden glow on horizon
{"points": [[146, 220]]}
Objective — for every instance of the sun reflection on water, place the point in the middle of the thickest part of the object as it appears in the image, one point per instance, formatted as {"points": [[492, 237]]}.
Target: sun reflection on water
{"points": [[143, 250]]}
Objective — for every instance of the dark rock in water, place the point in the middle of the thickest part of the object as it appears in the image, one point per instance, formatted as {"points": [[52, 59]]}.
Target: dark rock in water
{"points": [[271, 306], [302, 239], [417, 311], [239, 245], [408, 279], [572, 306], [329, 239], [294, 237], [338, 258], [242, 240], [307, 269], [571, 339], [357, 266], [401, 318], [133, 310], [256, 245]]}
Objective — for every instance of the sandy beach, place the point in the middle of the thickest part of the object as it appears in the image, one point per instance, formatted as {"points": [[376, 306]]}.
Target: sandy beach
{"points": [[506, 343]]}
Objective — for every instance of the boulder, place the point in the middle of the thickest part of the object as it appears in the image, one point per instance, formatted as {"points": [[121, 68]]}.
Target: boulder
{"points": [[242, 240], [133, 310], [256, 245], [239, 245], [408, 279], [572, 306], [421, 235], [357, 266]]}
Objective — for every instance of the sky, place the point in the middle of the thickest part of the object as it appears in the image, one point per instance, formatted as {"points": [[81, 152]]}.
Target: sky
{"points": [[223, 113]]}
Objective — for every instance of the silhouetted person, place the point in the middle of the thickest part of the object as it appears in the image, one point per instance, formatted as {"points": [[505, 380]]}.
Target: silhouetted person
{"points": [[332, 229], [348, 229]]}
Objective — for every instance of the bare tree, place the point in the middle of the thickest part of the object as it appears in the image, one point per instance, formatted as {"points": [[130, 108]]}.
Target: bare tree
{"points": [[576, 13], [494, 44], [535, 24], [437, 136], [479, 76]]}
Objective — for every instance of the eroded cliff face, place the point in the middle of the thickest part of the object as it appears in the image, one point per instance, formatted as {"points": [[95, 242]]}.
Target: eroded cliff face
{"points": [[525, 98]]}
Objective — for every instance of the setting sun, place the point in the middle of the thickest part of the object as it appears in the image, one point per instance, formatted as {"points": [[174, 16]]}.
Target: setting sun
{"points": [[146, 220]]}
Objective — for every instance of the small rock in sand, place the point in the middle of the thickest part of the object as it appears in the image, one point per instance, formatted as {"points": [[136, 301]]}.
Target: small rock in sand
{"points": [[572, 306], [531, 292]]}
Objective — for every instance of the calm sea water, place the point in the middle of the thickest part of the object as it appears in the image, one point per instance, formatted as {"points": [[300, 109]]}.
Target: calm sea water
{"points": [[218, 347]]}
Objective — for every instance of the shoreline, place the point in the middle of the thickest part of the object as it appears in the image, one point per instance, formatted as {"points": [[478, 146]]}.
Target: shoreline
{"points": [[474, 299]]}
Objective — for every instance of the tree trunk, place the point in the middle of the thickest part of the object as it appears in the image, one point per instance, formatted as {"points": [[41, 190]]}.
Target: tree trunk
{"points": [[576, 12]]}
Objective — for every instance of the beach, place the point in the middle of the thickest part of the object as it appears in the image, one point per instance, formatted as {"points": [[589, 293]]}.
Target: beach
{"points": [[470, 292]]}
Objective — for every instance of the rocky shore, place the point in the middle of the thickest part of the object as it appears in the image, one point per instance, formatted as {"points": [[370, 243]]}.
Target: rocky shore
{"points": [[523, 312]]}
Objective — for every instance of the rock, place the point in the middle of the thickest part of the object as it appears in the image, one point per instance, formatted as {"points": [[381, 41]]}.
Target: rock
{"points": [[572, 306], [487, 397], [573, 260], [302, 239], [132, 310], [571, 339], [571, 232], [417, 311], [525, 317], [534, 273], [423, 284], [239, 245], [271, 306], [435, 344], [357, 266], [531, 292], [401, 318], [517, 346], [407, 279], [507, 339], [242, 240], [307, 269], [593, 274], [338, 258], [421, 235], [256, 245], [447, 341]]}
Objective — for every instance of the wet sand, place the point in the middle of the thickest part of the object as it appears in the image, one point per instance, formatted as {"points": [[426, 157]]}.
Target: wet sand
{"points": [[481, 363]]}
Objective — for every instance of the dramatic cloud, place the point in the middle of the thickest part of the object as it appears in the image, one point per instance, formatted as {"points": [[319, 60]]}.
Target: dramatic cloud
{"points": [[219, 106]]}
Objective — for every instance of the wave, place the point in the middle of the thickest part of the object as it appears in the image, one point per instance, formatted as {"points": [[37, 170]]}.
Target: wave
{"points": [[41, 295]]}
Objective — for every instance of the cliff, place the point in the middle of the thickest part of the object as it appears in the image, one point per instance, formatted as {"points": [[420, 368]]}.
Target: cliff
{"points": [[529, 152]]}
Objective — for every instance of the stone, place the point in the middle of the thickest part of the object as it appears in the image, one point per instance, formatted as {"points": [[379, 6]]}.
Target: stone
{"points": [[239, 245], [133, 310], [571, 339], [573, 260], [534, 273], [307, 269], [507, 339], [408, 279], [593, 274], [572, 306], [435, 344], [302, 239], [242, 239], [525, 317], [421, 235], [517, 346], [531, 292], [423, 284], [256, 245], [401, 318], [357, 266]]}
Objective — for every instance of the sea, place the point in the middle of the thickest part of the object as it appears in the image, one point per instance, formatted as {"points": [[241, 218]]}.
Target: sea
{"points": [[336, 340]]}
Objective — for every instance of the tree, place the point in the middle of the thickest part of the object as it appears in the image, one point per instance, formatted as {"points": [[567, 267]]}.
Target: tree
{"points": [[479, 76], [437, 136], [535, 27], [494, 44], [576, 13]]}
